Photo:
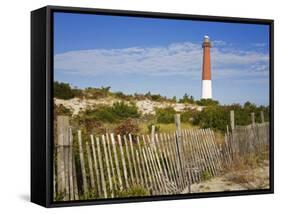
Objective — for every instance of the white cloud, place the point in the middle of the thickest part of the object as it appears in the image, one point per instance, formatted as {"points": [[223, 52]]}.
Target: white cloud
{"points": [[219, 43], [174, 59], [260, 45]]}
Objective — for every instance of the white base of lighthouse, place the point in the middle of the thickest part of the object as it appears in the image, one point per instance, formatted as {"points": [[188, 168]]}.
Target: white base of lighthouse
{"points": [[206, 89]]}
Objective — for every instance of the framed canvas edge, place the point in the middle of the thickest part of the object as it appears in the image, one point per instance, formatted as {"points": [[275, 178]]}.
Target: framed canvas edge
{"points": [[49, 103]]}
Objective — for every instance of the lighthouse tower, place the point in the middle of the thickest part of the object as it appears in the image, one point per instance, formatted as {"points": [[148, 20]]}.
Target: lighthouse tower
{"points": [[206, 69]]}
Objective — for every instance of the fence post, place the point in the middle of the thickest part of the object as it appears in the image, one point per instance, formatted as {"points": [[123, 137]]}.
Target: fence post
{"points": [[262, 117], [253, 118], [232, 120], [62, 149], [153, 135], [233, 138], [70, 162]]}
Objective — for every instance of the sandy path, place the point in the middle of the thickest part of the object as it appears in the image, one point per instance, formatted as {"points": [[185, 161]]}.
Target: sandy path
{"points": [[257, 178]]}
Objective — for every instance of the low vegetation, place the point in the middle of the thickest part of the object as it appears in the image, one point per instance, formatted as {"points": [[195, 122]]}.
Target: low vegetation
{"points": [[135, 191], [217, 116], [125, 114], [251, 171], [66, 92], [112, 114]]}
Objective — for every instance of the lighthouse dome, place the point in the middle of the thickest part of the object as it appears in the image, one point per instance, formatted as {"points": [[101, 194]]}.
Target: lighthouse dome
{"points": [[206, 38]]}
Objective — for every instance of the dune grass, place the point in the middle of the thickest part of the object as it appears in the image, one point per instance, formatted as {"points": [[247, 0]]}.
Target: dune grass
{"points": [[165, 128]]}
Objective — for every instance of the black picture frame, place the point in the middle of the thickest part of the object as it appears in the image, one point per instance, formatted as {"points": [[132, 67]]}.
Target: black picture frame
{"points": [[42, 103]]}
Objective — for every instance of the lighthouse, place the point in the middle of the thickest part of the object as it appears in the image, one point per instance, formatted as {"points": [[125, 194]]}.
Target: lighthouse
{"points": [[206, 69]]}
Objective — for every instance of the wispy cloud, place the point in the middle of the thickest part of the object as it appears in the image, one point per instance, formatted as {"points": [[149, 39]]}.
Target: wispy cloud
{"points": [[174, 59], [260, 45], [219, 43]]}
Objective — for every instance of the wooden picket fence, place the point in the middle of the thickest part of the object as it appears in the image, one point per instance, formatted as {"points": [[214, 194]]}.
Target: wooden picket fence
{"points": [[108, 165], [246, 140]]}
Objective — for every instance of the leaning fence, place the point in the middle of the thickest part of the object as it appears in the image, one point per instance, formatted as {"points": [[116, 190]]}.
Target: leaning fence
{"points": [[244, 141], [108, 166]]}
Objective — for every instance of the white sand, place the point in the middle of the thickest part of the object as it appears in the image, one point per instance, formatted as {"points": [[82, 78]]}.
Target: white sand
{"points": [[145, 106], [259, 180]]}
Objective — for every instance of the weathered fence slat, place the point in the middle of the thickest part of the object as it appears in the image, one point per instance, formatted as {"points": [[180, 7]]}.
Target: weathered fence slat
{"points": [[96, 165], [156, 171], [174, 159], [70, 161], [75, 185], [149, 173], [193, 152], [129, 160], [170, 159], [162, 145], [62, 125], [92, 180], [107, 166], [139, 167], [143, 174], [101, 168], [116, 161], [153, 170], [133, 158], [160, 155], [82, 163], [111, 163], [123, 161]]}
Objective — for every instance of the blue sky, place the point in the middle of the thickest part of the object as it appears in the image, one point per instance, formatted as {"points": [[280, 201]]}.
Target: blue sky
{"points": [[133, 54]]}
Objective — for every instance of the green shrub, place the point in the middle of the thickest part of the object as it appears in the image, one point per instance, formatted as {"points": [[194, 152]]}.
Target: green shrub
{"points": [[112, 114], [102, 114], [212, 117], [122, 96], [188, 115], [96, 93], [121, 110], [207, 102], [63, 91], [218, 117], [187, 99], [157, 97], [165, 115], [77, 92]]}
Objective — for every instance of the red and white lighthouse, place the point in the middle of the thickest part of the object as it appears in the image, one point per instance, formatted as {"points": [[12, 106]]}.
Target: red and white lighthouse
{"points": [[206, 69]]}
